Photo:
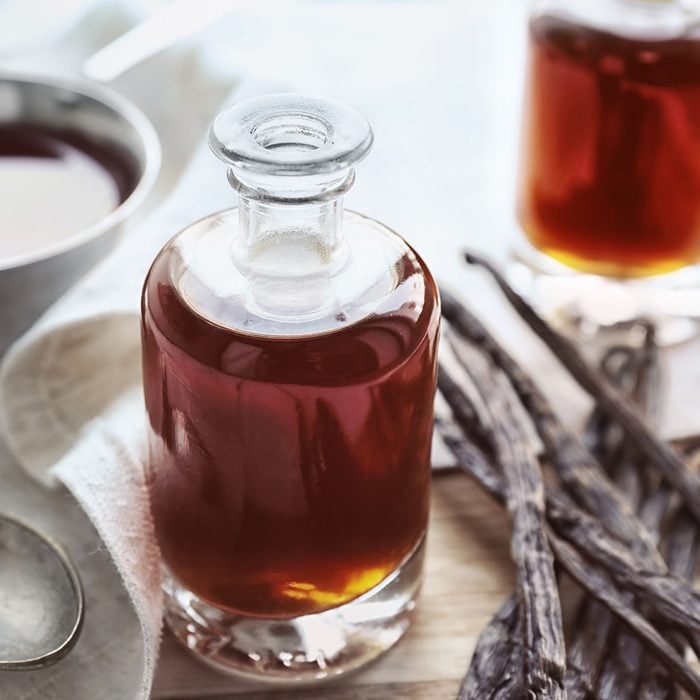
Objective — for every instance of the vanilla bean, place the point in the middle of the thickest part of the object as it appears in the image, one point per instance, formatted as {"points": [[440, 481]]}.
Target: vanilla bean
{"points": [[575, 465], [472, 424], [495, 671], [649, 575], [681, 555], [620, 676], [496, 668], [606, 395], [684, 473], [639, 568], [475, 332], [671, 597], [538, 597], [682, 550], [602, 437], [587, 537], [655, 683], [594, 631], [587, 652], [636, 372], [668, 595], [593, 580], [469, 457], [586, 541]]}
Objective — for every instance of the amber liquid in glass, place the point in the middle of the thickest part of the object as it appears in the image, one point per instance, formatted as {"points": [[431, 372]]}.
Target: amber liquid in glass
{"points": [[289, 476], [611, 163]]}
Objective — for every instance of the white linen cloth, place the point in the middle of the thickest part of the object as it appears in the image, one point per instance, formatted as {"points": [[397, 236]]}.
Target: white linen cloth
{"points": [[436, 80]]}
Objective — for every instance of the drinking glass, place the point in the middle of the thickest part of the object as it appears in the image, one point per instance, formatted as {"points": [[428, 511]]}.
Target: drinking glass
{"points": [[609, 186]]}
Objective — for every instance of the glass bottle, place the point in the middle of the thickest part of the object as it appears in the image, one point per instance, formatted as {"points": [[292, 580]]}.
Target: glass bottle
{"points": [[610, 181], [289, 354]]}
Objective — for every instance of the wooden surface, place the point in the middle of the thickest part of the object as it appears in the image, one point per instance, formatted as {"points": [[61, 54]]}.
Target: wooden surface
{"points": [[468, 574]]}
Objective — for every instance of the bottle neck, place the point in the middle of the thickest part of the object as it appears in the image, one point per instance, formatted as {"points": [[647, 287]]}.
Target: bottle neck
{"points": [[264, 225], [290, 246], [291, 159]]}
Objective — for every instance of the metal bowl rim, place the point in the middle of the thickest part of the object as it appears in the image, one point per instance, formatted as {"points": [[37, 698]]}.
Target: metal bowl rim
{"points": [[151, 157]]}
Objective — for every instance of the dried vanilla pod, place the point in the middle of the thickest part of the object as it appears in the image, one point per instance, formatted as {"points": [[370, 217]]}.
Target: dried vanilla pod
{"points": [[575, 465], [495, 671], [538, 596], [639, 623], [593, 579], [632, 556], [607, 397]]}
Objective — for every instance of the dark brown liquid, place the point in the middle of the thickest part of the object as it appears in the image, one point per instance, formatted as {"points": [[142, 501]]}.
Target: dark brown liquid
{"points": [[55, 183], [611, 176], [288, 476]]}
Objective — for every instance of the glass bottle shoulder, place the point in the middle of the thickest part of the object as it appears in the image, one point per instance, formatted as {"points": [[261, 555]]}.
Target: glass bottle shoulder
{"points": [[381, 305]]}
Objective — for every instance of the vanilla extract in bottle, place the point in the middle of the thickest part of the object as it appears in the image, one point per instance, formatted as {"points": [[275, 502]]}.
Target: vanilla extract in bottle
{"points": [[289, 371]]}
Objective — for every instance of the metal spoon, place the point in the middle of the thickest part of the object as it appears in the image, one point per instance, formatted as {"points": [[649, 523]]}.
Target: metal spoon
{"points": [[42, 604]]}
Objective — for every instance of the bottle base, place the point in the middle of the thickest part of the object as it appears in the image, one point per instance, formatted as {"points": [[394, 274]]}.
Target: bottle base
{"points": [[589, 307], [306, 649]]}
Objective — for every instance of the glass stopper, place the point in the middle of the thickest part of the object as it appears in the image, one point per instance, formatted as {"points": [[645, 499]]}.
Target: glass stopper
{"points": [[289, 134]]}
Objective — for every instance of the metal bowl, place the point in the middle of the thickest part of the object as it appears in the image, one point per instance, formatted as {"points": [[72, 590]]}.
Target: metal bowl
{"points": [[30, 283]]}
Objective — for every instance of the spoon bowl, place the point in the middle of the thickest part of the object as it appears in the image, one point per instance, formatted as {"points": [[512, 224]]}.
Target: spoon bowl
{"points": [[41, 599]]}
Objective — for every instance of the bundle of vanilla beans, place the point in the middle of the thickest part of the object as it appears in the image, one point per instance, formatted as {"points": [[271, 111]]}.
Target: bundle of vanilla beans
{"points": [[616, 510]]}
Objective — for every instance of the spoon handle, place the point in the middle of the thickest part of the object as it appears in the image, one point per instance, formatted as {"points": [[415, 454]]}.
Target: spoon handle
{"points": [[174, 22]]}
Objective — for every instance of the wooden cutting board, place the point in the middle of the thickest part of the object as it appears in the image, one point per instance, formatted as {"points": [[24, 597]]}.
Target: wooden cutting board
{"points": [[468, 574]]}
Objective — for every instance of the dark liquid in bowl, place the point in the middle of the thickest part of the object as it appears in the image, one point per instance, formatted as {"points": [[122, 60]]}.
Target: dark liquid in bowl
{"points": [[55, 183]]}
